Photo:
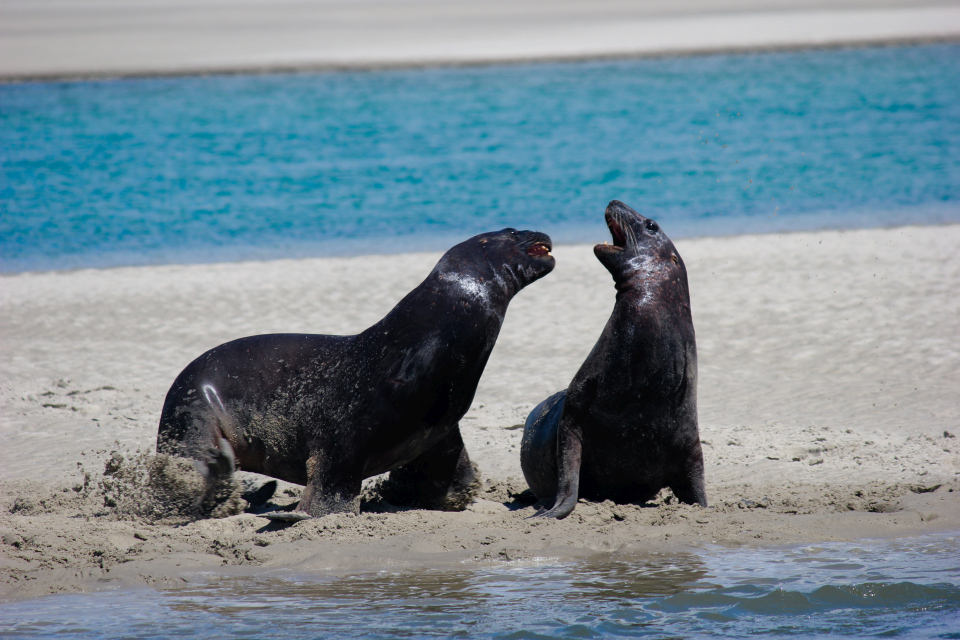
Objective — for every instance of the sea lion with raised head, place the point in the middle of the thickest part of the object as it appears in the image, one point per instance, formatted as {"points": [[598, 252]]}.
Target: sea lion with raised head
{"points": [[328, 411], [627, 425]]}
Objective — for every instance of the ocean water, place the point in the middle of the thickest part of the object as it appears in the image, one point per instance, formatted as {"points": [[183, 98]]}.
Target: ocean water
{"points": [[908, 588], [111, 172]]}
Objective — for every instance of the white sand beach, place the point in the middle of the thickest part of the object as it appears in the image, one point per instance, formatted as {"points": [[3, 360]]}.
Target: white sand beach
{"points": [[82, 38], [829, 370]]}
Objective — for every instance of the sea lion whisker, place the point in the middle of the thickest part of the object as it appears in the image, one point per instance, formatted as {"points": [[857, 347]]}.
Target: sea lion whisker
{"points": [[631, 235]]}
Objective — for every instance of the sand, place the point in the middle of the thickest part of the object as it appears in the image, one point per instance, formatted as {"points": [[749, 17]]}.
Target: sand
{"points": [[829, 378], [81, 38]]}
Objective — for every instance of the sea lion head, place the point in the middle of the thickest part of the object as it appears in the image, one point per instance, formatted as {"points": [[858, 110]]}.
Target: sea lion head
{"points": [[641, 252], [509, 258]]}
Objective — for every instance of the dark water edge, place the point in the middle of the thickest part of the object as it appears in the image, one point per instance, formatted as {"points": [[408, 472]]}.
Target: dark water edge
{"points": [[198, 169], [902, 588], [586, 233]]}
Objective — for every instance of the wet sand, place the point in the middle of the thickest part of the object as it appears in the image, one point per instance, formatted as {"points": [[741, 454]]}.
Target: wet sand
{"points": [[829, 370]]}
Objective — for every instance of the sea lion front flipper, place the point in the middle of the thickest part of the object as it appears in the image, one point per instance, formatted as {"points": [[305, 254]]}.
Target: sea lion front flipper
{"points": [[285, 516], [333, 485], [690, 488], [258, 497], [441, 478], [569, 454]]}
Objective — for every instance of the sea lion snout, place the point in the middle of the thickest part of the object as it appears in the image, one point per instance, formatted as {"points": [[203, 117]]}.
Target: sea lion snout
{"points": [[537, 248], [537, 244], [528, 253], [638, 243]]}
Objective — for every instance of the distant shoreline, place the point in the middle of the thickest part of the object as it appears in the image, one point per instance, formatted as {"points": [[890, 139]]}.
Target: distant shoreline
{"points": [[257, 70], [243, 255], [48, 41], [303, 189]]}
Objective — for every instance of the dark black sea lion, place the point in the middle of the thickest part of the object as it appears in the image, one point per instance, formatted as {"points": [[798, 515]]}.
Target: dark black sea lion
{"points": [[328, 411], [627, 425]]}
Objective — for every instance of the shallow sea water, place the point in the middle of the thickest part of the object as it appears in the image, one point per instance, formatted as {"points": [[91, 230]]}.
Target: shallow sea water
{"points": [[906, 588], [206, 169]]}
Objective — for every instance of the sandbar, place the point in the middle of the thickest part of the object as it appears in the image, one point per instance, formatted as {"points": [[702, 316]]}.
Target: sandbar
{"points": [[829, 370], [53, 39]]}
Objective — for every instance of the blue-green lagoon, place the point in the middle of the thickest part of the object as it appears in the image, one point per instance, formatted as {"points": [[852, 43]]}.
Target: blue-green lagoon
{"points": [[206, 169]]}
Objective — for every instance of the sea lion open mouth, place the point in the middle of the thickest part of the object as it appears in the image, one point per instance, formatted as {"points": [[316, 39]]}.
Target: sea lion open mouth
{"points": [[616, 231], [539, 249]]}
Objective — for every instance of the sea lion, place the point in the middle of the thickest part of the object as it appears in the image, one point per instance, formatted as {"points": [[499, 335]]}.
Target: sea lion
{"points": [[627, 425], [328, 411]]}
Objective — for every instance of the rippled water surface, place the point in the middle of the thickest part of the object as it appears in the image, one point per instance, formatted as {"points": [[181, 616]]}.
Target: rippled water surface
{"points": [[907, 588], [216, 168]]}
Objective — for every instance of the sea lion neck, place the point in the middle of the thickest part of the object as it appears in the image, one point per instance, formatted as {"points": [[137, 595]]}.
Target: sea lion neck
{"points": [[439, 305], [478, 276], [494, 283], [641, 275], [641, 289]]}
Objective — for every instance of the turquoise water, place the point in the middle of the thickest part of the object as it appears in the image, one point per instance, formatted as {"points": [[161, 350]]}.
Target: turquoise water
{"points": [[200, 169], [908, 588]]}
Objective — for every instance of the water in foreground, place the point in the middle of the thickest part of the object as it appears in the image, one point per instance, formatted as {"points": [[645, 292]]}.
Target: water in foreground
{"points": [[904, 588], [116, 172]]}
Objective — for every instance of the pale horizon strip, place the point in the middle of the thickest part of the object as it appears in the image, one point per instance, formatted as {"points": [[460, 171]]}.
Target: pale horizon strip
{"points": [[62, 39]]}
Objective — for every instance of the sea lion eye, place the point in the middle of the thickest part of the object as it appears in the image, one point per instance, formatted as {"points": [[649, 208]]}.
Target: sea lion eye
{"points": [[675, 259], [651, 226]]}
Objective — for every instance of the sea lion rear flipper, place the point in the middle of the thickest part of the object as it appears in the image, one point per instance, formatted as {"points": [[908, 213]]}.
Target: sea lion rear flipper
{"points": [[538, 448], [226, 460], [285, 516], [217, 469], [569, 454]]}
